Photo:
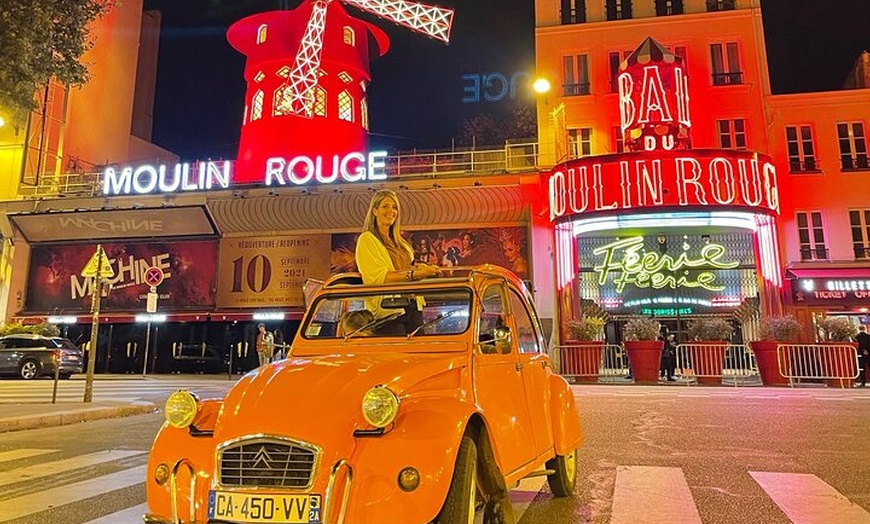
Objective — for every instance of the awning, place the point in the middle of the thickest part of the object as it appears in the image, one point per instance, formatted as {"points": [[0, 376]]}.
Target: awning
{"points": [[171, 316], [829, 272]]}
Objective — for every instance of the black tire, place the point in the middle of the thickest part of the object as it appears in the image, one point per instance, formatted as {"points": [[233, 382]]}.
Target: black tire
{"points": [[563, 480], [28, 369], [459, 505], [64, 376]]}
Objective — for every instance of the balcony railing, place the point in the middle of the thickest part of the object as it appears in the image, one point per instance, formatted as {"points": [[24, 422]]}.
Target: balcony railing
{"points": [[575, 89], [728, 79], [859, 163], [575, 15], [807, 165], [515, 157], [814, 253], [720, 5], [862, 252]]}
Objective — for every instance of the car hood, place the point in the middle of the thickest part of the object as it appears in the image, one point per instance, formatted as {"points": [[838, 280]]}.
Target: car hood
{"points": [[318, 399]]}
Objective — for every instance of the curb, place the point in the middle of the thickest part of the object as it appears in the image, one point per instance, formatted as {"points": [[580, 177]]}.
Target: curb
{"points": [[64, 418]]}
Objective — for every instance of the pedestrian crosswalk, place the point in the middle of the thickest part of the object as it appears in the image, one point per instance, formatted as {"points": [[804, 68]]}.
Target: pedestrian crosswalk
{"points": [[35, 481], [123, 389]]}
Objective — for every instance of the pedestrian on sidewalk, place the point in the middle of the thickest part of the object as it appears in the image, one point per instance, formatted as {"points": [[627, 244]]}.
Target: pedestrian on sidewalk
{"points": [[863, 340], [265, 344]]}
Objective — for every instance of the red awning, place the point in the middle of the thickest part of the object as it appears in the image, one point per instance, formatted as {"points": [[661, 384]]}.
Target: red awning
{"points": [[830, 272]]}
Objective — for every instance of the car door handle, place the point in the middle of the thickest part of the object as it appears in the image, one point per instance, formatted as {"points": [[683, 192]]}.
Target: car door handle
{"points": [[545, 364], [519, 366]]}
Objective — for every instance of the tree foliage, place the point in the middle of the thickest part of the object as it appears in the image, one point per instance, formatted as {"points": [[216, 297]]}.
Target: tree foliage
{"points": [[45, 329], [41, 39], [487, 130]]}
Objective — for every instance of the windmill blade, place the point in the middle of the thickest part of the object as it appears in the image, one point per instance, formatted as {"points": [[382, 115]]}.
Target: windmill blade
{"points": [[298, 97], [429, 20]]}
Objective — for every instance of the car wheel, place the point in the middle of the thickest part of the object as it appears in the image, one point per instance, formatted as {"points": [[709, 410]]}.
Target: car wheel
{"points": [[64, 376], [459, 506], [564, 477], [28, 369]]}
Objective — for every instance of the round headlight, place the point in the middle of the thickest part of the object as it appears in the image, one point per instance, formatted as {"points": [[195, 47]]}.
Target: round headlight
{"points": [[380, 406], [181, 408]]}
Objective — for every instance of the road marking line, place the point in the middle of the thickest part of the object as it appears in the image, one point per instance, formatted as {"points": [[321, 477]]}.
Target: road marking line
{"points": [[128, 516], [660, 495], [807, 499], [17, 454], [60, 466], [56, 497]]}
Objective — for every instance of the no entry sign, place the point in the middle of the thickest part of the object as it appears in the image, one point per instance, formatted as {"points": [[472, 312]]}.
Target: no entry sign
{"points": [[153, 276]]}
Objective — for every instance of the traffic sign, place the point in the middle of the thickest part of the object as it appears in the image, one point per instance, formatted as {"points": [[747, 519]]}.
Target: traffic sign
{"points": [[101, 261], [151, 303], [154, 276]]}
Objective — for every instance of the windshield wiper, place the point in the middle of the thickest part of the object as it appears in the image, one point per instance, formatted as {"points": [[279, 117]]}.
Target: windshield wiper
{"points": [[439, 318], [375, 323]]}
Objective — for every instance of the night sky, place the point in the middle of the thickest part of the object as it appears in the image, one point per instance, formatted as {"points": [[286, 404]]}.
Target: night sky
{"points": [[416, 95]]}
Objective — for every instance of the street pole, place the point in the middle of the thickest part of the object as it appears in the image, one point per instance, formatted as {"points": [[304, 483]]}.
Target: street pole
{"points": [[147, 343], [95, 326]]}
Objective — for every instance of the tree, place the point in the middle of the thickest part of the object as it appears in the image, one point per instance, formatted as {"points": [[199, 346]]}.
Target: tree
{"points": [[41, 40], [487, 130]]}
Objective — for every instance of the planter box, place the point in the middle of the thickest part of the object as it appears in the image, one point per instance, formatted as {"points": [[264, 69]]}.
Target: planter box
{"points": [[644, 358], [768, 365], [581, 360]]}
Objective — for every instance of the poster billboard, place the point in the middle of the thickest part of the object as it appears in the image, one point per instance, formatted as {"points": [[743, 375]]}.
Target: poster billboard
{"points": [[189, 268], [502, 246], [258, 272]]}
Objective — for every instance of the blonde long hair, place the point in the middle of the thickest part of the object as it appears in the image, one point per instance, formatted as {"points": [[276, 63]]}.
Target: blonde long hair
{"points": [[396, 228]]}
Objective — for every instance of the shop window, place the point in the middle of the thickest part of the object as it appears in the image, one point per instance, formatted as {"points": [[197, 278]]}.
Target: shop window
{"points": [[573, 11], [669, 7], [860, 222], [853, 146], [575, 75], [732, 134], [345, 106], [726, 64], [811, 235], [614, 60], [257, 106], [581, 141], [262, 33], [319, 101], [720, 5], [618, 141], [364, 113], [618, 9], [349, 36], [801, 149]]}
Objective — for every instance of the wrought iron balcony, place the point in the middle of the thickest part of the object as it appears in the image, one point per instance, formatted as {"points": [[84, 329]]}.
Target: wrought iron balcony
{"points": [[862, 252], [720, 5], [859, 163], [575, 89], [728, 79], [807, 165], [814, 253]]}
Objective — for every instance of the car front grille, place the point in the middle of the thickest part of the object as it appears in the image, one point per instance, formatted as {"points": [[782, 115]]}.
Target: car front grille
{"points": [[267, 463]]}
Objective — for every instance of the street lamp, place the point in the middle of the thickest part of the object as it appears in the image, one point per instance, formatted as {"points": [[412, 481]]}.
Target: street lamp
{"points": [[541, 86]]}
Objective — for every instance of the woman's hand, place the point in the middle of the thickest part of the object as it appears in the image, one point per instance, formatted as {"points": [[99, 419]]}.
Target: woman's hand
{"points": [[426, 271]]}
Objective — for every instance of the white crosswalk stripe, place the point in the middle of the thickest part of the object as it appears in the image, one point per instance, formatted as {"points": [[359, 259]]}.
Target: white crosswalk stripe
{"points": [[62, 466], [663, 492], [806, 499], [128, 516], [122, 390], [23, 453]]}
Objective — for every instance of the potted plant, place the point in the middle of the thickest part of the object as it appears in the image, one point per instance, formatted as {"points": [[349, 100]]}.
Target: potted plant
{"points": [[580, 357], [840, 333], [774, 331], [709, 338], [641, 341]]}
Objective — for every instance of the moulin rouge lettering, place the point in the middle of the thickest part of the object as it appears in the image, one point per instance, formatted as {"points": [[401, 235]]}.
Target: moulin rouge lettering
{"points": [[645, 269]]}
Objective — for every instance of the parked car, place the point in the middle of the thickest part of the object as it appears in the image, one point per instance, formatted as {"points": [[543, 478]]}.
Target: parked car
{"points": [[31, 356], [438, 403], [198, 358]]}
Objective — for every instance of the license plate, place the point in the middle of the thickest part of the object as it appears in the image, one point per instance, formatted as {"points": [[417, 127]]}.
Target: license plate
{"points": [[245, 508]]}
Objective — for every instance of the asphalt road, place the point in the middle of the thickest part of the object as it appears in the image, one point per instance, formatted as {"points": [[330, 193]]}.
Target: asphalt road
{"points": [[652, 455]]}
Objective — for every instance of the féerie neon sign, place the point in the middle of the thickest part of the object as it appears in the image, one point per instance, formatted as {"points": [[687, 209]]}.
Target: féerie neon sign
{"points": [[648, 269]]}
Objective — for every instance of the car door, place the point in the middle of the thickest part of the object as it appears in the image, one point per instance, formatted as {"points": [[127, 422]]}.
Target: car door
{"points": [[498, 382], [536, 369], [5, 357]]}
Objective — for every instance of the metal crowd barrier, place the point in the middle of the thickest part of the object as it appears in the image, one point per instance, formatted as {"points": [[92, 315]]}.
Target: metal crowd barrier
{"points": [[591, 362], [716, 363], [835, 363]]}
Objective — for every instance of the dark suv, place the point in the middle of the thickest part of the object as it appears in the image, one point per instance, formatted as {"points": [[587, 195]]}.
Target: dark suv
{"points": [[30, 356]]}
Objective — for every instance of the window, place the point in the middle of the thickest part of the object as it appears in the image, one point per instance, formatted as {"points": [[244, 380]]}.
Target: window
{"points": [[614, 60], [526, 336], [575, 74], [257, 106], [492, 325], [364, 113], [573, 11], [801, 149], [860, 221], [281, 104], [853, 146], [669, 7], [726, 64], [262, 32], [732, 134], [319, 101], [720, 5], [349, 36], [345, 77], [345, 106], [618, 142], [811, 236], [581, 141], [618, 9]]}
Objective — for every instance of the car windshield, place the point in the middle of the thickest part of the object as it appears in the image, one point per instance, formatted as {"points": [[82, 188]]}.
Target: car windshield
{"points": [[406, 314], [63, 343]]}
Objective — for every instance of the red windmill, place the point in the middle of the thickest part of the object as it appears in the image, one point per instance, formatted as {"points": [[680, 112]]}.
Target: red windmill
{"points": [[307, 72]]}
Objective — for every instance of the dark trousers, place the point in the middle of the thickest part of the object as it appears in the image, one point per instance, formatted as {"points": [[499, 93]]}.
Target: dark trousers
{"points": [[863, 361], [668, 364]]}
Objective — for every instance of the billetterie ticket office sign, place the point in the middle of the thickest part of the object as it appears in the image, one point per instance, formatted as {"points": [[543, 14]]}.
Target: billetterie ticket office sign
{"points": [[695, 178]]}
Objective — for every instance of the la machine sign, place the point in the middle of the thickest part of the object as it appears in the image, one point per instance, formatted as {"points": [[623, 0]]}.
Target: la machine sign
{"points": [[663, 179], [300, 170]]}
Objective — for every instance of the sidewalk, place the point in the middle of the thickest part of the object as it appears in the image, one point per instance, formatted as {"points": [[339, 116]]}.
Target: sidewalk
{"points": [[16, 417]]}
